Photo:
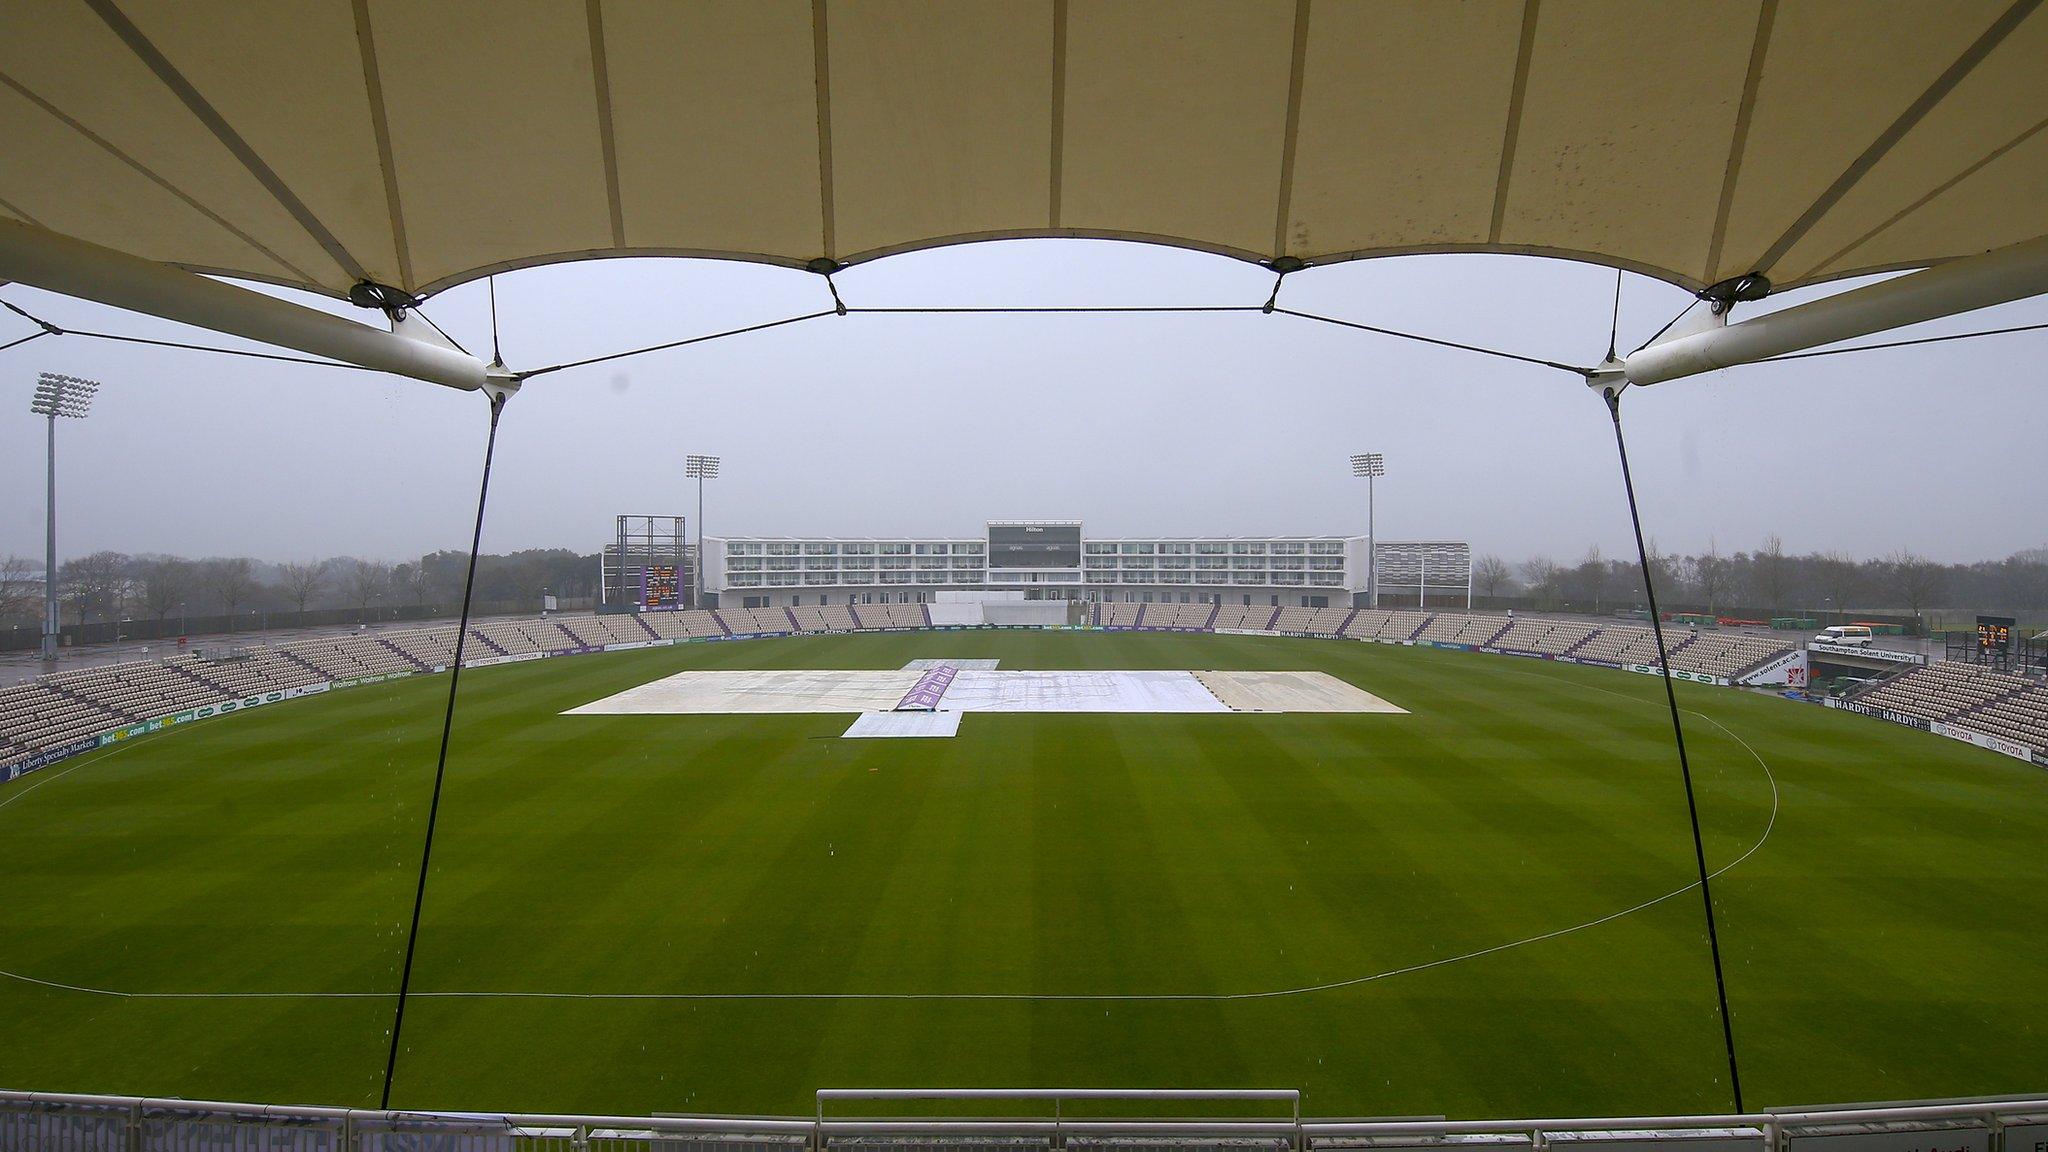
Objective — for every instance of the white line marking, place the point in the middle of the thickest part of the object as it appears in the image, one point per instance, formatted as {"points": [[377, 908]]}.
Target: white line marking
{"points": [[1270, 994]]}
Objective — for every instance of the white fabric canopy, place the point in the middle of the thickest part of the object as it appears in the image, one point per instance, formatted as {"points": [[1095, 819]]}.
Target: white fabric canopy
{"points": [[421, 143]]}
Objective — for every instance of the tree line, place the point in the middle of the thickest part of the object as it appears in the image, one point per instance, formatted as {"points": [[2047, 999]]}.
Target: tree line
{"points": [[110, 586], [1770, 580]]}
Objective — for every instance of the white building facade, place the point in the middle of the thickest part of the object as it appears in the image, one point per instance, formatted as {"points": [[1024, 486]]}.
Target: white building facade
{"points": [[1055, 559]]}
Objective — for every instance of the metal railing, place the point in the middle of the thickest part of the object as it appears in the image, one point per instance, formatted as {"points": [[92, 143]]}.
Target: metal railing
{"points": [[59, 1122]]}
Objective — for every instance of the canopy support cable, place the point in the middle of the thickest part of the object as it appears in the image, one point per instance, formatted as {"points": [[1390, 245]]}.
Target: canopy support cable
{"points": [[421, 309], [1613, 398], [48, 328], [531, 373], [1585, 373], [1614, 325], [412, 935], [497, 353], [1659, 334], [842, 309], [179, 344], [22, 340], [1901, 343], [1273, 298]]}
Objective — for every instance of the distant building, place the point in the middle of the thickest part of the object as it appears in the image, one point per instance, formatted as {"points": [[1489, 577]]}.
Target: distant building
{"points": [[1056, 560]]}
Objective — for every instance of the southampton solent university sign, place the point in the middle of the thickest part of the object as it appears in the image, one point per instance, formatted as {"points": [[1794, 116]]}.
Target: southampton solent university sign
{"points": [[1868, 652]]}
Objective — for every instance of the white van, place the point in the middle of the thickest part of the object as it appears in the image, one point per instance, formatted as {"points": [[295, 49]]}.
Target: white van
{"points": [[1845, 636]]}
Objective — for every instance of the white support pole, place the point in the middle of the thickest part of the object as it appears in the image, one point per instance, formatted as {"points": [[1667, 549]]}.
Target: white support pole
{"points": [[57, 263], [1996, 277]]}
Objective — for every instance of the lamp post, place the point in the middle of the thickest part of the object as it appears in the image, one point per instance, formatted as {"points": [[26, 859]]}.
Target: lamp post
{"points": [[702, 468], [1372, 466], [71, 397]]}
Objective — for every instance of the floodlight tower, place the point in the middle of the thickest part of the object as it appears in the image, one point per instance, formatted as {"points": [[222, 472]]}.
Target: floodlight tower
{"points": [[702, 468], [1372, 466], [71, 397]]}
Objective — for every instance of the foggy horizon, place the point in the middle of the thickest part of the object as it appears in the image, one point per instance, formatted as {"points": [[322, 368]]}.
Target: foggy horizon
{"points": [[1135, 424]]}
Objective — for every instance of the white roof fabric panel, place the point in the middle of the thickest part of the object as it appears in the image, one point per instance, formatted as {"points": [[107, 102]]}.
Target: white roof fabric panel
{"points": [[715, 115], [421, 143]]}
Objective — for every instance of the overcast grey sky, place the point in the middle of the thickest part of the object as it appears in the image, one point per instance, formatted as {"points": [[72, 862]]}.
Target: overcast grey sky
{"points": [[1134, 424]]}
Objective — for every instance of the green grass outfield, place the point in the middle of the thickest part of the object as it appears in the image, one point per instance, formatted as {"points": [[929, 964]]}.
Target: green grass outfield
{"points": [[1889, 939]]}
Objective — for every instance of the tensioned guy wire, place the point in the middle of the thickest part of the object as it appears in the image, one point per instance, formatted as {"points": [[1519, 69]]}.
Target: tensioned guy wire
{"points": [[1613, 398], [412, 935], [1421, 339], [277, 356], [1900, 343], [530, 374], [497, 353]]}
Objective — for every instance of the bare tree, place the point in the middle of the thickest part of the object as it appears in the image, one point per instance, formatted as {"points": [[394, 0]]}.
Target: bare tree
{"points": [[367, 581], [1490, 574], [95, 585], [1768, 571], [231, 581], [1664, 568], [1914, 579], [1838, 577], [1542, 576], [1589, 579], [1712, 574], [414, 579], [19, 593], [303, 581], [166, 582]]}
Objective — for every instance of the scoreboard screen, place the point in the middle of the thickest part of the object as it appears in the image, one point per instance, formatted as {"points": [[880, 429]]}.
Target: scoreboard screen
{"points": [[660, 591], [1034, 546], [1994, 633]]}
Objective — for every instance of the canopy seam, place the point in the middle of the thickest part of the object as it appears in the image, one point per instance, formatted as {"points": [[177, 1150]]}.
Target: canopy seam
{"points": [[1510, 137], [208, 115], [1907, 120], [380, 127], [148, 173], [1759, 48], [1297, 64]]}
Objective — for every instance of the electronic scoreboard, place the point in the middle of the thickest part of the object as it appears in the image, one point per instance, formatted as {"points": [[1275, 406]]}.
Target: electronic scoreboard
{"points": [[1994, 633], [660, 590]]}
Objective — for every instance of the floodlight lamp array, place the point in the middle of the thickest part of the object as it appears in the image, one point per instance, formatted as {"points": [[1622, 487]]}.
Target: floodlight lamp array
{"points": [[1368, 464], [702, 467], [60, 395]]}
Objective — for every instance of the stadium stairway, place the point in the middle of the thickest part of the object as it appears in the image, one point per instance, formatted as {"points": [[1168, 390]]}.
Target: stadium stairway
{"points": [[195, 677], [487, 642], [306, 664], [417, 663]]}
